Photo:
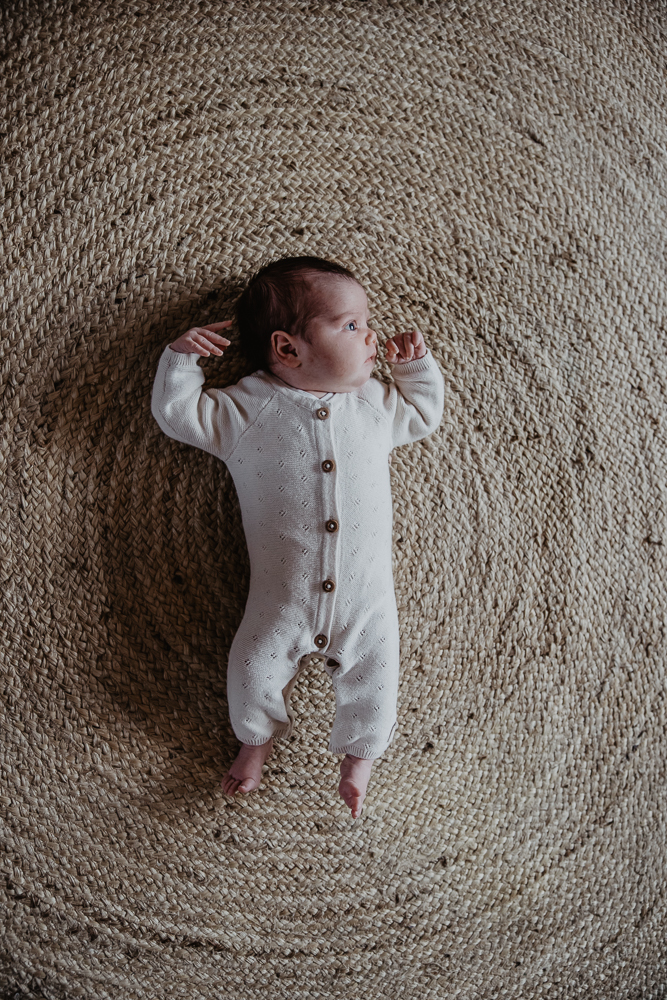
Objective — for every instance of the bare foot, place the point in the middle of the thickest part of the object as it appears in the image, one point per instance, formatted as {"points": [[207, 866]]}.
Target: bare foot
{"points": [[246, 771], [354, 775]]}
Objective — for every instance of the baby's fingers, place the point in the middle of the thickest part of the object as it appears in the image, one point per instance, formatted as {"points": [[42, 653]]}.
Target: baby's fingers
{"points": [[204, 338], [419, 344], [406, 346], [212, 328], [413, 345]]}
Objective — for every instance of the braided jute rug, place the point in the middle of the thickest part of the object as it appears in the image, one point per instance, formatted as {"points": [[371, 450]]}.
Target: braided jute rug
{"points": [[495, 173]]}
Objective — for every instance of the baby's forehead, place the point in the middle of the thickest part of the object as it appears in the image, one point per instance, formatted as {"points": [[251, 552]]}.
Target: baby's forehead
{"points": [[332, 294]]}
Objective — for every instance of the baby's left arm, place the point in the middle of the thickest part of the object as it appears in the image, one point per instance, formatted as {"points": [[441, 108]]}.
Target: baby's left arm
{"points": [[415, 402]]}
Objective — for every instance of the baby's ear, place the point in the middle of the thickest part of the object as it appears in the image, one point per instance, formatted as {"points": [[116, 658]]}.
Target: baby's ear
{"points": [[284, 349]]}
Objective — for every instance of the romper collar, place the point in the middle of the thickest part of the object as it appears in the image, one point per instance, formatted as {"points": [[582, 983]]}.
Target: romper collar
{"points": [[299, 396]]}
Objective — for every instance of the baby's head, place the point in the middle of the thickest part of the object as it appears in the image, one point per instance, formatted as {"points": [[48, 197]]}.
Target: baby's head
{"points": [[305, 319]]}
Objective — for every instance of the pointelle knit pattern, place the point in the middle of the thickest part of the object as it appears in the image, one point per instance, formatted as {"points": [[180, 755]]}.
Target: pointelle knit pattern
{"points": [[312, 477]]}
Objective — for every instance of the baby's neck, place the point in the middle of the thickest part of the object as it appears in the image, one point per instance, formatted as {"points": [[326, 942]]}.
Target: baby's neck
{"points": [[314, 392]]}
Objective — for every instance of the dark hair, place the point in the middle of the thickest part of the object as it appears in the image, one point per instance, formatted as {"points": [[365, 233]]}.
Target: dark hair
{"points": [[279, 297]]}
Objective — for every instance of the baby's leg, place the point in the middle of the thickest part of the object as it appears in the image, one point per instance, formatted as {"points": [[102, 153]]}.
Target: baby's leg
{"points": [[246, 771], [260, 676], [259, 687], [365, 721], [364, 670]]}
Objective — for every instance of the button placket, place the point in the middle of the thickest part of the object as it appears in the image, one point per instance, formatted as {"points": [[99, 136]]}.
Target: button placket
{"points": [[328, 530]]}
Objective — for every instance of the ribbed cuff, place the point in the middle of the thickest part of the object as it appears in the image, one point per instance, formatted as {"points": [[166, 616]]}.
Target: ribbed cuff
{"points": [[280, 732], [365, 750], [412, 367], [257, 742], [175, 360]]}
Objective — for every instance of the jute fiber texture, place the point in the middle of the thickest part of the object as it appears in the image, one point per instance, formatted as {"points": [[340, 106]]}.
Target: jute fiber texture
{"points": [[495, 174]]}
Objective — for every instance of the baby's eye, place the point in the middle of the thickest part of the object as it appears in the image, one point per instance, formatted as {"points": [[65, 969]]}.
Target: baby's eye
{"points": [[350, 324]]}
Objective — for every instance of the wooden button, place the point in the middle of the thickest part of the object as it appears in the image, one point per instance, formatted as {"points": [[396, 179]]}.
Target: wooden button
{"points": [[328, 585], [332, 525], [322, 413], [328, 465], [321, 641]]}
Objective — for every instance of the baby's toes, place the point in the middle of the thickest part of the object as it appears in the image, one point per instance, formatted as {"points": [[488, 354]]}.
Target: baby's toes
{"points": [[354, 804], [350, 795], [248, 784]]}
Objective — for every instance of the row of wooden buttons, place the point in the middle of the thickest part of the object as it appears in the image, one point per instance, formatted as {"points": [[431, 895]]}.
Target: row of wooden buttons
{"points": [[332, 525]]}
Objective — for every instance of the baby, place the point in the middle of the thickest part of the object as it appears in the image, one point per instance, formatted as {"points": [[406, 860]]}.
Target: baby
{"points": [[307, 439]]}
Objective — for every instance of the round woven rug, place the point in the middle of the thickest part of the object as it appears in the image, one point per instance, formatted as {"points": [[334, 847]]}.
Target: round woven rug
{"points": [[495, 173]]}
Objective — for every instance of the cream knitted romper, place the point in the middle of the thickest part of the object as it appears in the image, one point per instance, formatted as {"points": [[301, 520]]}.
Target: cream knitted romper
{"points": [[312, 478]]}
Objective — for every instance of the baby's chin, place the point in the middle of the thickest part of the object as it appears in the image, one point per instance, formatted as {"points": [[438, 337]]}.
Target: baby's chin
{"points": [[353, 382]]}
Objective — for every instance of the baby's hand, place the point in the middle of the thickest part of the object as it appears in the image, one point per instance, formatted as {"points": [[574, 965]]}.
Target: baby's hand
{"points": [[202, 340], [405, 347]]}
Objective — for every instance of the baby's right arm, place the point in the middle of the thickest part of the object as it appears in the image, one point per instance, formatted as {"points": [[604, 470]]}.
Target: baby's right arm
{"points": [[210, 420]]}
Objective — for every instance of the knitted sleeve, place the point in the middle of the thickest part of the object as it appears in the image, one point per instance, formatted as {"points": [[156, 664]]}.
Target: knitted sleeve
{"points": [[414, 403], [212, 420]]}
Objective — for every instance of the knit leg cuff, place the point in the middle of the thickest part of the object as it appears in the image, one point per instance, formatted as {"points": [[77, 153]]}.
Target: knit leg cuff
{"points": [[364, 750], [258, 741], [368, 753]]}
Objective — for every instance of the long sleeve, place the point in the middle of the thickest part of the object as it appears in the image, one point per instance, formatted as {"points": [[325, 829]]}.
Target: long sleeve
{"points": [[212, 420], [415, 402]]}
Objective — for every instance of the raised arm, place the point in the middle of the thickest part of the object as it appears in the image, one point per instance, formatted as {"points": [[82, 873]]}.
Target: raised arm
{"points": [[212, 420], [416, 401]]}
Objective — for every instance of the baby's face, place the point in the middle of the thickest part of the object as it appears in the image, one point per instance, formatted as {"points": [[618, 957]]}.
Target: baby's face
{"points": [[342, 348]]}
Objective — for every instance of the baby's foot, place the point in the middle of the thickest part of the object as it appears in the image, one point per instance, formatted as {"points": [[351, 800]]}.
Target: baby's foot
{"points": [[246, 771], [354, 775]]}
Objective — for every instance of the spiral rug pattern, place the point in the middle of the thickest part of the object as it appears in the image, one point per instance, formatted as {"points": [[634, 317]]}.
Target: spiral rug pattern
{"points": [[495, 173]]}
